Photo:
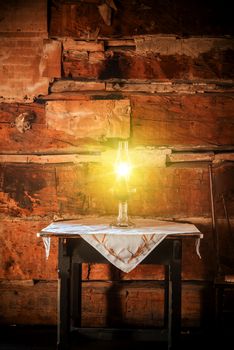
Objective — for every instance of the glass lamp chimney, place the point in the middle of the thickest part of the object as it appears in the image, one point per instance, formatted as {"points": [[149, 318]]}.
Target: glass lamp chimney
{"points": [[122, 169]]}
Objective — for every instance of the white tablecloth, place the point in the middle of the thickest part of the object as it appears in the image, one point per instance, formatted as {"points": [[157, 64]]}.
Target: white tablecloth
{"points": [[123, 247]]}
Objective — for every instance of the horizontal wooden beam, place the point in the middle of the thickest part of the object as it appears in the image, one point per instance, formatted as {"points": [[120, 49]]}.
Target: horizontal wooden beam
{"points": [[140, 155], [73, 85], [144, 86], [79, 45], [172, 45], [200, 157], [190, 157], [49, 159], [159, 157]]}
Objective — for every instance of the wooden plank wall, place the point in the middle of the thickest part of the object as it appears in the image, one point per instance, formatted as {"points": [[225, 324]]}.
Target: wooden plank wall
{"points": [[172, 97]]}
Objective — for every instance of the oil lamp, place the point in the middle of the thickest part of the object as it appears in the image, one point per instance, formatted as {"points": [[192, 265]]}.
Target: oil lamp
{"points": [[121, 189]]}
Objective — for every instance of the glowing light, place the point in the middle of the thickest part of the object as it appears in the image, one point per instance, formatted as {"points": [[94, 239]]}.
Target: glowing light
{"points": [[123, 169]]}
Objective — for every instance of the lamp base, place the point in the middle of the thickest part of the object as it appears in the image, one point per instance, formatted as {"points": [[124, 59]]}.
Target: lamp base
{"points": [[122, 219], [122, 225]]}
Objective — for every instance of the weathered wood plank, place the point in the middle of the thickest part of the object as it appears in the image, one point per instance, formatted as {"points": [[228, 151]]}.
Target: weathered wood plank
{"points": [[127, 64], [26, 67], [110, 272], [181, 157], [146, 156], [72, 189], [122, 304], [156, 121], [190, 157], [104, 304], [72, 195], [51, 63], [96, 56], [34, 16], [196, 120], [220, 157], [148, 17], [120, 43], [172, 45], [41, 140], [36, 140], [81, 68], [27, 190], [71, 85], [79, 45], [19, 299], [50, 159], [9, 111], [162, 192], [170, 87], [22, 252], [92, 119], [68, 135], [141, 85]]}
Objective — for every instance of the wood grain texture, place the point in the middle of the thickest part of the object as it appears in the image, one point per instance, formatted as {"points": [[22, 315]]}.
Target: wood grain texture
{"points": [[104, 303], [200, 120], [26, 67], [176, 120], [180, 88], [90, 119], [161, 192], [145, 17], [213, 64], [65, 135], [33, 14], [26, 190], [22, 252], [35, 189], [19, 298]]}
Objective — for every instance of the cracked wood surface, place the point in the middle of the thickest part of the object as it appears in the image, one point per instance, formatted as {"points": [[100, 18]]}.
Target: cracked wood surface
{"points": [[129, 302]]}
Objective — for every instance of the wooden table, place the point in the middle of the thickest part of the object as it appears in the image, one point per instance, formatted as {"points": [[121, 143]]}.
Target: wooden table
{"points": [[73, 251]]}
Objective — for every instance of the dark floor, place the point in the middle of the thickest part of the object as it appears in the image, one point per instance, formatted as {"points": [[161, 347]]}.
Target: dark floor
{"points": [[44, 338]]}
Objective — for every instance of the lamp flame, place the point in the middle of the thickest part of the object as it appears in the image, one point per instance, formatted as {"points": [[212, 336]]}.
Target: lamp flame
{"points": [[123, 169]]}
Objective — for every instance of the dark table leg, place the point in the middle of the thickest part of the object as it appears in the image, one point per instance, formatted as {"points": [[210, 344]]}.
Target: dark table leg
{"points": [[174, 296], [64, 265], [76, 294], [69, 294]]}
